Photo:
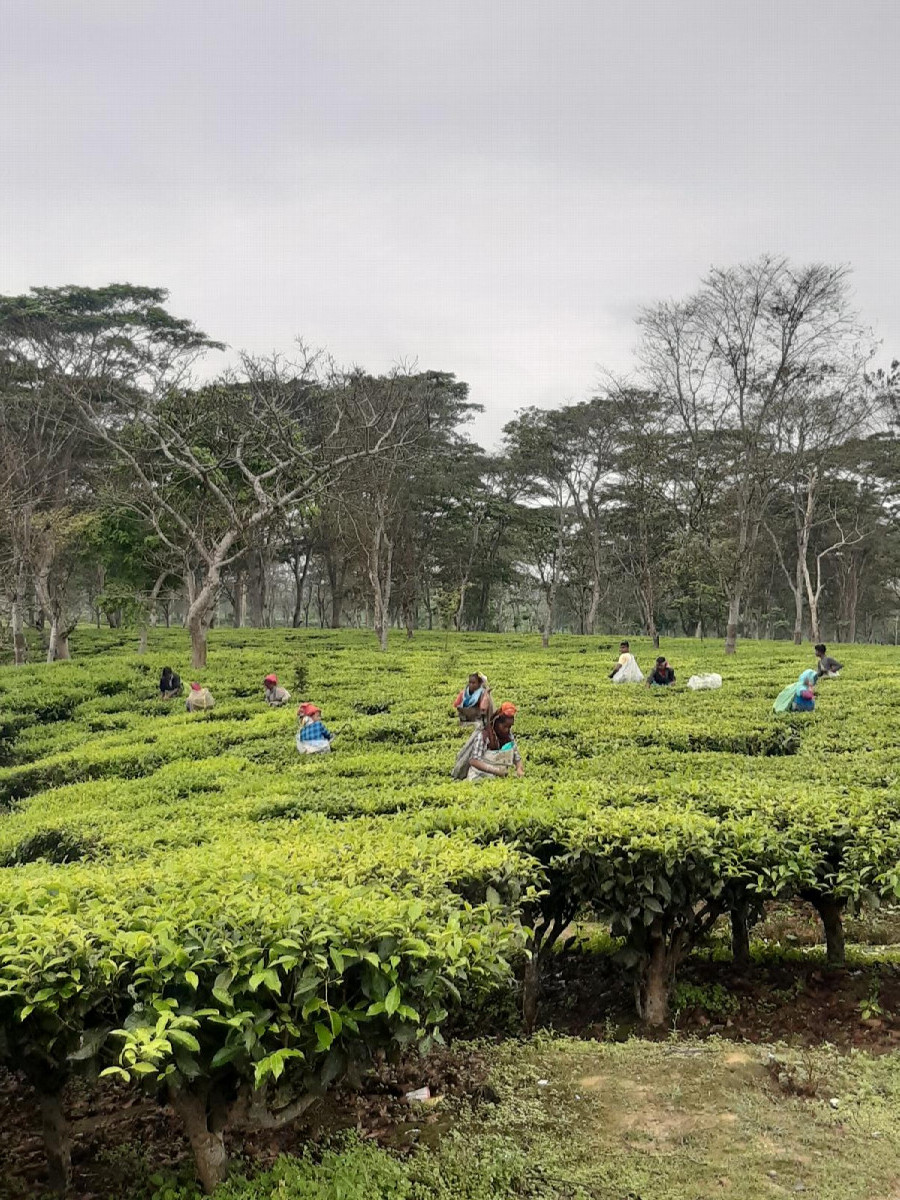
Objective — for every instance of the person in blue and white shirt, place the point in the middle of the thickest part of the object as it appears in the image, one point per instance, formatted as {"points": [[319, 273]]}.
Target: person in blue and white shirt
{"points": [[312, 736]]}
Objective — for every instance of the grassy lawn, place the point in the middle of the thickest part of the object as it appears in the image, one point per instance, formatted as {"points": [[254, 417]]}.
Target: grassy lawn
{"points": [[572, 1120]]}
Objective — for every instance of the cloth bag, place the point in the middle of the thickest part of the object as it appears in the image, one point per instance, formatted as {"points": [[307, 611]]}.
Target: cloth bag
{"points": [[497, 758], [317, 746], [704, 683], [629, 672]]}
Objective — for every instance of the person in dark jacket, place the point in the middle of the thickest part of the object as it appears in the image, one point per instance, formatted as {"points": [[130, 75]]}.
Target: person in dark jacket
{"points": [[169, 684], [661, 675], [828, 667]]}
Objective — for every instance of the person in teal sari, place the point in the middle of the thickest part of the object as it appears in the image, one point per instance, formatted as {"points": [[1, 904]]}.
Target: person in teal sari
{"points": [[799, 696]]}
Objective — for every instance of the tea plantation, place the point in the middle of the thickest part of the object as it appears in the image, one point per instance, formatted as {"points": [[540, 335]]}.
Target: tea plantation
{"points": [[193, 910]]}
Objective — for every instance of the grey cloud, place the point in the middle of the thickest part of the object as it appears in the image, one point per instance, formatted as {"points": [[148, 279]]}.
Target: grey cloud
{"points": [[490, 188]]}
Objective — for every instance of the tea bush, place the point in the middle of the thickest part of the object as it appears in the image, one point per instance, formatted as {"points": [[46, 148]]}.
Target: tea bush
{"points": [[192, 908]]}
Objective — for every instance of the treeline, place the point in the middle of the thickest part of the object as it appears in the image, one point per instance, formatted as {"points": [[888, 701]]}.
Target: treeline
{"points": [[744, 481]]}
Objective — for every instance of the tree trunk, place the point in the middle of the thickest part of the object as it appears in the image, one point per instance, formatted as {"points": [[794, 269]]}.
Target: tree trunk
{"points": [[654, 998], [208, 1146], [62, 642], [237, 615], [797, 589], [381, 558], [152, 615], [299, 584], [467, 574], [590, 620], [815, 629], [731, 629], [594, 607], [199, 620], [17, 620], [531, 992], [830, 910], [646, 594], [458, 615], [848, 584], [57, 646], [51, 608], [548, 619], [256, 589], [337, 574], [198, 627], [57, 1142], [740, 937]]}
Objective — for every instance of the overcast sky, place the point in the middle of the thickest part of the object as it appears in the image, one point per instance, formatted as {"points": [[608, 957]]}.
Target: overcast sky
{"points": [[490, 188]]}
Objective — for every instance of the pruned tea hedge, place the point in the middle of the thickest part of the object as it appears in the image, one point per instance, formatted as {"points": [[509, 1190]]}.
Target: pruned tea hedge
{"points": [[189, 907]]}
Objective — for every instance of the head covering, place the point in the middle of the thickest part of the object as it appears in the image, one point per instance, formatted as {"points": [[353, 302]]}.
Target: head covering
{"points": [[507, 710], [273, 679], [308, 710], [195, 687], [786, 697], [469, 698]]}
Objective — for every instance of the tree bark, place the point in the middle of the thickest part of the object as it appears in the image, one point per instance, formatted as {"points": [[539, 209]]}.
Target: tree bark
{"points": [[797, 589], [197, 628], [337, 573], [380, 569], [731, 628], [57, 1142], [17, 619], [548, 619], [848, 585], [830, 910], [655, 985], [151, 615], [531, 992], [199, 619], [208, 1145], [299, 584], [51, 607], [740, 937], [237, 615], [257, 588], [62, 642]]}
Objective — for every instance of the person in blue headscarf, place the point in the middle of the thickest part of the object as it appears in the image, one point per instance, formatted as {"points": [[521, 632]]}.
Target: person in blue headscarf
{"points": [[474, 703], [799, 696]]}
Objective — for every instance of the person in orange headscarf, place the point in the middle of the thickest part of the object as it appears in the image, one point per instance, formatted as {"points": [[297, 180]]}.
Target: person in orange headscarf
{"points": [[493, 750]]}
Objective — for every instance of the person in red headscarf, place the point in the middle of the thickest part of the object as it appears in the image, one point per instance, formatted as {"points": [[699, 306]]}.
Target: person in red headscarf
{"points": [[312, 736], [276, 696], [493, 750]]}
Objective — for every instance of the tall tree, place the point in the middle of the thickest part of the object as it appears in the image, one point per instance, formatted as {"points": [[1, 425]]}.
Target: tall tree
{"points": [[542, 448], [733, 364]]}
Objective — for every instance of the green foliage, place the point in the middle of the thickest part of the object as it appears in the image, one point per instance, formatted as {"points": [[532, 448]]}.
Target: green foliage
{"points": [[190, 905], [714, 1000]]}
